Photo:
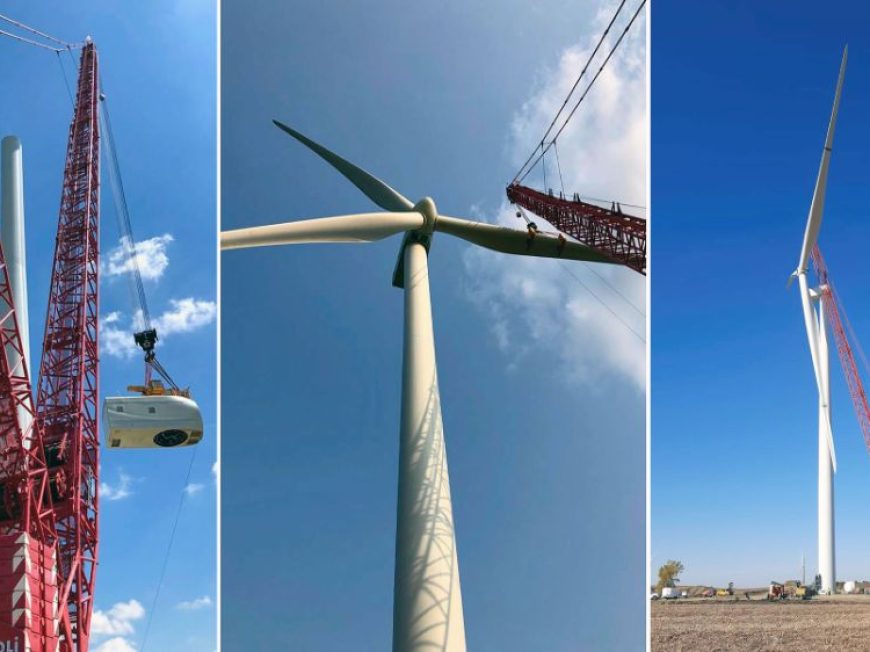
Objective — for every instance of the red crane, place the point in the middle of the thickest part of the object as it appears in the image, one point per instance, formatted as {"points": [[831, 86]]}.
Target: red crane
{"points": [[844, 349], [49, 452], [28, 562], [621, 237]]}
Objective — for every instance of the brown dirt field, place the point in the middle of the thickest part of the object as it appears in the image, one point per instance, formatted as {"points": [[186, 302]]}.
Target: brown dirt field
{"points": [[838, 623]]}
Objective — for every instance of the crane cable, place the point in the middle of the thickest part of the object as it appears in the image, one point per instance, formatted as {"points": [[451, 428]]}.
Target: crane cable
{"points": [[526, 167], [574, 87], [165, 564], [522, 213], [36, 32], [559, 167], [147, 337], [29, 41]]}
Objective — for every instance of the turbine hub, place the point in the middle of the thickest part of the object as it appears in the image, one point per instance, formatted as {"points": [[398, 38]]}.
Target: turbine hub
{"points": [[426, 207]]}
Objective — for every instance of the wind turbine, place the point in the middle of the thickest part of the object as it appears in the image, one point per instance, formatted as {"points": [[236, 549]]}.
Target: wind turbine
{"points": [[427, 600], [817, 335]]}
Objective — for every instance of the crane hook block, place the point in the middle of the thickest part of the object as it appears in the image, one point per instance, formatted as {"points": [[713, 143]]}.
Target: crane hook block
{"points": [[146, 339]]}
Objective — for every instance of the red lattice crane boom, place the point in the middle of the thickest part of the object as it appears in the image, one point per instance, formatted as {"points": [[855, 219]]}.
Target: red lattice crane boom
{"points": [[844, 349], [620, 237], [67, 397], [28, 562]]}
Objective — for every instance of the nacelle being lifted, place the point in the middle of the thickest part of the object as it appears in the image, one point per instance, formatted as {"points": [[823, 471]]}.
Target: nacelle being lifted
{"points": [[151, 422]]}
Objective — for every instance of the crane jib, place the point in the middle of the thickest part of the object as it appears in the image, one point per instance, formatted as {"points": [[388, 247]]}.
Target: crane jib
{"points": [[620, 237]]}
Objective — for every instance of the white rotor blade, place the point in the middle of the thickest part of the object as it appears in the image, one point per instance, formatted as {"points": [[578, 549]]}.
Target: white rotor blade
{"points": [[811, 327], [830, 437], [825, 379], [813, 337], [814, 220], [372, 187], [515, 241], [364, 227]]}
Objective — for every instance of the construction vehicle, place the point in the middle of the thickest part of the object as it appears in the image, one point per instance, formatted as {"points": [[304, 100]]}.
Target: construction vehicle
{"points": [[721, 593], [776, 591]]}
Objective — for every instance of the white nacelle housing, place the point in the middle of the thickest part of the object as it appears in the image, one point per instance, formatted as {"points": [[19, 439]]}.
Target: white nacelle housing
{"points": [[151, 422]]}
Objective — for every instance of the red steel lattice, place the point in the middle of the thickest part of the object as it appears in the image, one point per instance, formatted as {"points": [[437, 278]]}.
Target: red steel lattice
{"points": [[620, 237], [28, 568], [844, 349], [68, 380]]}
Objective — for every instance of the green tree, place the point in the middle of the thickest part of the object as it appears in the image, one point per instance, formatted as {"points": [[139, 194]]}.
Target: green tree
{"points": [[669, 574]]}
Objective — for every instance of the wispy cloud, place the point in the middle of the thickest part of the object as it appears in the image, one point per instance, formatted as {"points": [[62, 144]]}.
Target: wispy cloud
{"points": [[115, 644], [193, 488], [150, 255], [183, 316], [118, 620], [119, 491], [538, 304], [195, 604]]}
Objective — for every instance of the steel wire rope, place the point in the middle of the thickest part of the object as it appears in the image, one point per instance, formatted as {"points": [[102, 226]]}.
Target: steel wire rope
{"points": [[603, 303], [591, 268], [559, 167], [518, 178], [573, 88], [35, 31], [168, 551]]}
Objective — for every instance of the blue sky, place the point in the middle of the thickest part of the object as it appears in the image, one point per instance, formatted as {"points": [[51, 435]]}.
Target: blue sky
{"points": [[542, 390], [158, 71], [742, 93]]}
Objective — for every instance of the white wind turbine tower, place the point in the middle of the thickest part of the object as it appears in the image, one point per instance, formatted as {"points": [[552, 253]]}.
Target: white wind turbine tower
{"points": [[427, 601], [817, 334]]}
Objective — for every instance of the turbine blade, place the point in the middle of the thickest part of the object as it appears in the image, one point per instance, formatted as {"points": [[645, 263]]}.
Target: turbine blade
{"points": [[515, 241], [372, 187], [814, 220], [365, 227], [830, 437], [819, 354], [812, 328]]}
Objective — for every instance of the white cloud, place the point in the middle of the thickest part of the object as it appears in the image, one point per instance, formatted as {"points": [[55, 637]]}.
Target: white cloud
{"points": [[117, 621], [197, 603], [215, 470], [184, 315], [150, 255], [116, 644], [193, 488], [117, 342], [539, 304], [118, 492]]}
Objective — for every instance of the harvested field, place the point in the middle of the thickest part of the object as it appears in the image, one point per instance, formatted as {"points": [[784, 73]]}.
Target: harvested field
{"points": [[836, 623]]}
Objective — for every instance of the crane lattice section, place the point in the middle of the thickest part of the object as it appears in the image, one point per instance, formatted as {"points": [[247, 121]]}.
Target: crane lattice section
{"points": [[620, 237]]}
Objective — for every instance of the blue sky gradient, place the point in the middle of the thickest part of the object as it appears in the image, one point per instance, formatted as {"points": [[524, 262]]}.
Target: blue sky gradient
{"points": [[742, 93], [158, 71], [546, 460]]}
